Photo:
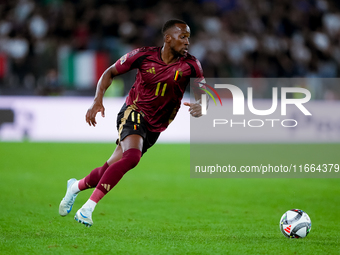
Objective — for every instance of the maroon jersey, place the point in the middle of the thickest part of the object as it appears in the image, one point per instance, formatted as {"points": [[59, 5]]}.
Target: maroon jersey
{"points": [[158, 89]]}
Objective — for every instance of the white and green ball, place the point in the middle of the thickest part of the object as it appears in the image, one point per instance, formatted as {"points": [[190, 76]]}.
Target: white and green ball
{"points": [[295, 223]]}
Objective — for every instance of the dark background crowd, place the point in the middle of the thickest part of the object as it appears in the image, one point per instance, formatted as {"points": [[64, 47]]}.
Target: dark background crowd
{"points": [[231, 38]]}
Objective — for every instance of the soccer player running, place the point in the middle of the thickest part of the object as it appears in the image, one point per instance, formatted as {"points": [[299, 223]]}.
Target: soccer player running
{"points": [[152, 103]]}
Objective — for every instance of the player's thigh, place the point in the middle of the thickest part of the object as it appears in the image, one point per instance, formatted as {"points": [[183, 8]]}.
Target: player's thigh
{"points": [[133, 141], [116, 155], [129, 142]]}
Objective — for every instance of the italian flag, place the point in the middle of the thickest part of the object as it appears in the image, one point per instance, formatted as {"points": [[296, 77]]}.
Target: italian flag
{"points": [[81, 69]]}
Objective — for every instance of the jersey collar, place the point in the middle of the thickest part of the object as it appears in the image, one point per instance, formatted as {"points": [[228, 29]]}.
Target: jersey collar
{"points": [[160, 57]]}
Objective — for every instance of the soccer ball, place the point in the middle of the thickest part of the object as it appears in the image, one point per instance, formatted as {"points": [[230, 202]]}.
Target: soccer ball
{"points": [[295, 223]]}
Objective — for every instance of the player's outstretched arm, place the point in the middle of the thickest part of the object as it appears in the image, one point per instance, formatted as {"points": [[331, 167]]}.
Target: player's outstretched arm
{"points": [[195, 109], [102, 85]]}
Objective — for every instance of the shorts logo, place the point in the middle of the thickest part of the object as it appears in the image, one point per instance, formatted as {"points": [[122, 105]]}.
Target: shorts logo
{"points": [[123, 59]]}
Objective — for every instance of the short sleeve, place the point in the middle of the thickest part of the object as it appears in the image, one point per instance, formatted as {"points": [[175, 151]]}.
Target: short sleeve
{"points": [[128, 61]]}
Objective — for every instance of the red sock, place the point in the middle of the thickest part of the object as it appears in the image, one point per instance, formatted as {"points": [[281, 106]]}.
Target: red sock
{"points": [[115, 172], [93, 178]]}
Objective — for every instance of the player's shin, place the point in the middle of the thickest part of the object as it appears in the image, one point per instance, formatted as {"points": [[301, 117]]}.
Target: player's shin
{"points": [[91, 180], [110, 178], [115, 172]]}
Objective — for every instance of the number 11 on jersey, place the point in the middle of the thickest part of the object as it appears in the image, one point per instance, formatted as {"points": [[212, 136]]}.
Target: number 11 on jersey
{"points": [[158, 87]]}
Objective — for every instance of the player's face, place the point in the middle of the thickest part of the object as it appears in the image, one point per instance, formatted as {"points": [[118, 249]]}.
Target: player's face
{"points": [[180, 35]]}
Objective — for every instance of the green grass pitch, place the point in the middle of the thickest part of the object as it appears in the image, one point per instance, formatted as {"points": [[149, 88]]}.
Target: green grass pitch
{"points": [[157, 208]]}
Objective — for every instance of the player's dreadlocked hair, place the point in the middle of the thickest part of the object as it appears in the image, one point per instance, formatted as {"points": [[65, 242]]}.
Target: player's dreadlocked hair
{"points": [[171, 23]]}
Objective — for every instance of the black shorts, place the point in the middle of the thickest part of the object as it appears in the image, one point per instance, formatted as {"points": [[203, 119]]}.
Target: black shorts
{"points": [[130, 122]]}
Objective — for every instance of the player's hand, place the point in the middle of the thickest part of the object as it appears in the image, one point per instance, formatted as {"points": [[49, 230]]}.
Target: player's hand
{"points": [[195, 109], [92, 112]]}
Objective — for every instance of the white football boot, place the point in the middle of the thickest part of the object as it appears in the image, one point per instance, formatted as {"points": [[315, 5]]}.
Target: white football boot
{"points": [[66, 204], [84, 215]]}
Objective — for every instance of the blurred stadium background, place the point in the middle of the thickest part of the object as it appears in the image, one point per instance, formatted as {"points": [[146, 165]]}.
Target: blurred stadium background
{"points": [[59, 47]]}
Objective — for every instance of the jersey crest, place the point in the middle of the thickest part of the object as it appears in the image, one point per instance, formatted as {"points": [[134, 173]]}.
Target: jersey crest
{"points": [[178, 75]]}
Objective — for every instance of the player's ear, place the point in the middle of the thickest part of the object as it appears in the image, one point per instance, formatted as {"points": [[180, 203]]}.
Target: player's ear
{"points": [[167, 38]]}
